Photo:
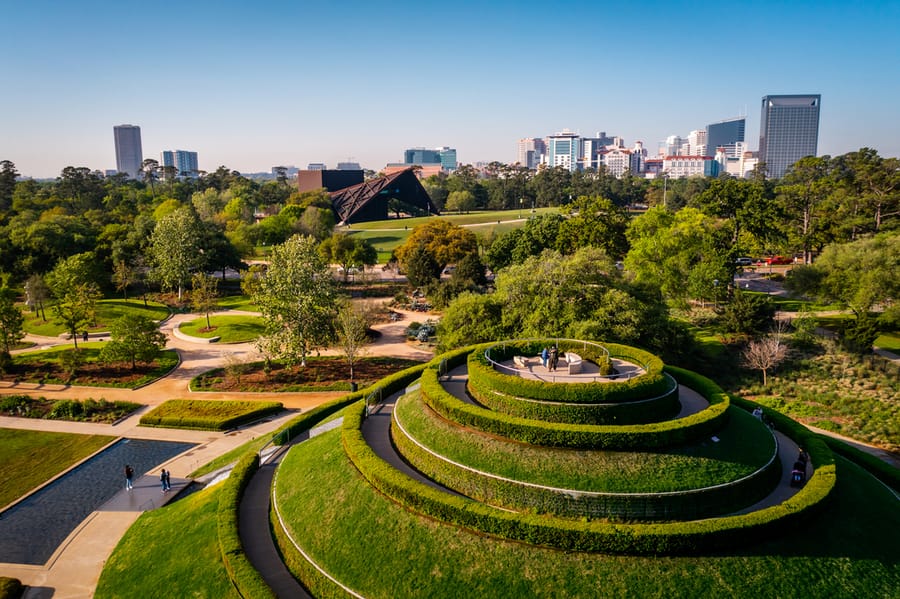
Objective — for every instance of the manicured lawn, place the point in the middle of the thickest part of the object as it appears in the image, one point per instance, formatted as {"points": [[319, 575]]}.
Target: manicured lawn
{"points": [[170, 552], [788, 304], [45, 366], [889, 341], [346, 526], [107, 311], [237, 302], [744, 446], [204, 414], [29, 458], [230, 329]]}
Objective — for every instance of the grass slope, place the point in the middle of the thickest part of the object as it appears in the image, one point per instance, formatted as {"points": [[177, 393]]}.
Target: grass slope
{"points": [[380, 550], [744, 446], [29, 458], [170, 552]]}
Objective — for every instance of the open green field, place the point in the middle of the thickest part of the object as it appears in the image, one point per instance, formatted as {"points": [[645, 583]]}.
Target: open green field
{"points": [[30, 458], [745, 445], [229, 329], [170, 552], [236, 302], [346, 526], [108, 310], [889, 341]]}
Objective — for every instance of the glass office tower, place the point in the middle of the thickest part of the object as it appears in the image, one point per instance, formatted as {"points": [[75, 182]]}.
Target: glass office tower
{"points": [[788, 131], [129, 154]]}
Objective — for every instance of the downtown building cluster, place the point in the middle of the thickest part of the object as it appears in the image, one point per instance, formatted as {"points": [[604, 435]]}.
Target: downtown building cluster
{"points": [[130, 156], [789, 128]]}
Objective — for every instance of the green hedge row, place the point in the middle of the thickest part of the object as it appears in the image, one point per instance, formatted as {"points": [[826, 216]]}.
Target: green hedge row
{"points": [[243, 575], [10, 588], [654, 409], [685, 505], [580, 436], [577, 535], [870, 463], [651, 384], [209, 422]]}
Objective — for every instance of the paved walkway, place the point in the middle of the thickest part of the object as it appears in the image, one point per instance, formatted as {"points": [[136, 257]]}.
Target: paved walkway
{"points": [[74, 568]]}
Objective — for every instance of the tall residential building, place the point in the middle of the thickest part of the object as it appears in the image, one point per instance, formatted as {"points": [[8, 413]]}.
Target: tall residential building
{"points": [[725, 134], [129, 155], [697, 143], [788, 131], [183, 160], [530, 151], [564, 149]]}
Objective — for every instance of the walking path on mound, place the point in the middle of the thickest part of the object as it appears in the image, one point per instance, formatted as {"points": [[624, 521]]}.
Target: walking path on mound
{"points": [[74, 568]]}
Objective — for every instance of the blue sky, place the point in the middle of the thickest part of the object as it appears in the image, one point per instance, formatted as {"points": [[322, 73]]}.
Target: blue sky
{"points": [[255, 85]]}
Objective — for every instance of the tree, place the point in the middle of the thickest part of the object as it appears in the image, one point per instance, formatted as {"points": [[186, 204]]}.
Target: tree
{"points": [[594, 221], [122, 277], [36, 293], [75, 308], [204, 293], [421, 267], [350, 328], [150, 172], [296, 297], [802, 196], [11, 323], [8, 176], [748, 314], [766, 354], [447, 243], [134, 338], [175, 249], [348, 252], [461, 201]]}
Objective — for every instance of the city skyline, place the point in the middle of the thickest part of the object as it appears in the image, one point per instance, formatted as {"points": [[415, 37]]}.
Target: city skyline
{"points": [[284, 85]]}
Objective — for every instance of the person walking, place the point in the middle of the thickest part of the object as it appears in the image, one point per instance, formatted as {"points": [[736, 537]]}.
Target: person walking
{"points": [[168, 481], [162, 480], [129, 477], [545, 354]]}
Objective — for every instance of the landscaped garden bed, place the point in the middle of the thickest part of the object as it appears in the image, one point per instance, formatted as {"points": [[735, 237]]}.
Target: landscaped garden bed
{"points": [[53, 366], [207, 414], [320, 374], [88, 410]]}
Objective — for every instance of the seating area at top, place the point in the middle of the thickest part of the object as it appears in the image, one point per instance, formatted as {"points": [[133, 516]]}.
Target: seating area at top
{"points": [[572, 363]]}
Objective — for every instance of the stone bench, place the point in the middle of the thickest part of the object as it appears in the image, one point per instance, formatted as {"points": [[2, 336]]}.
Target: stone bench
{"points": [[520, 361], [574, 362]]}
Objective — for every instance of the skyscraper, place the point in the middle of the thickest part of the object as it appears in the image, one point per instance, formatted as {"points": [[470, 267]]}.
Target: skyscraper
{"points": [[788, 131], [129, 154], [563, 149], [725, 134]]}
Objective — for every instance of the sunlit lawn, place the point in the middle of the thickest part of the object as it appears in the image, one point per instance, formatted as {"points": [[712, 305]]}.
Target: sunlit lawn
{"points": [[107, 311], [230, 329], [889, 341], [29, 458], [236, 302]]}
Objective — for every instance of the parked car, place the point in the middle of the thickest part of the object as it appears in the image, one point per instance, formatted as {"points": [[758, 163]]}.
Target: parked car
{"points": [[744, 261], [778, 260]]}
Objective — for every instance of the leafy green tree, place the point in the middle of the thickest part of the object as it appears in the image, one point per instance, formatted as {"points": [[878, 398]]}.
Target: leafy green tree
{"points": [[134, 338], [470, 271], [748, 314], [678, 253], [421, 268], [76, 307], [317, 222], [150, 173], [175, 249], [296, 297], [8, 176], [471, 318], [122, 277], [461, 201], [347, 252], [11, 324], [594, 221], [802, 195], [204, 294], [36, 293]]}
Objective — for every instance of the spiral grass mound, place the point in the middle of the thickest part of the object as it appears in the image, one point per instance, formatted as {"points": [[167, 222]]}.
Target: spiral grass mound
{"points": [[676, 475]]}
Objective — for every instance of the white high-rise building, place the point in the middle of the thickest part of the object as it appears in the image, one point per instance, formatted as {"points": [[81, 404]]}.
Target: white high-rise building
{"points": [[183, 160], [696, 143], [564, 149], [530, 152]]}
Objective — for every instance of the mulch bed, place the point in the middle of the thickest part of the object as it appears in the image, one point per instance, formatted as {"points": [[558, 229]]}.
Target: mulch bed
{"points": [[320, 374], [120, 375]]}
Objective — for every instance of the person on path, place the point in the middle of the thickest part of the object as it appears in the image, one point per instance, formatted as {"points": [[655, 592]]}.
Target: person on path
{"points": [[168, 481], [129, 477], [545, 354], [162, 480], [554, 356]]}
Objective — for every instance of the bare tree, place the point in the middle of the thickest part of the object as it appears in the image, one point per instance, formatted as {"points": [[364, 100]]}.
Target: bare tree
{"points": [[350, 327], [766, 353]]}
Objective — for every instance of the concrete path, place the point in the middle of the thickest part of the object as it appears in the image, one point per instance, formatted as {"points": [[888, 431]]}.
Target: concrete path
{"points": [[75, 567]]}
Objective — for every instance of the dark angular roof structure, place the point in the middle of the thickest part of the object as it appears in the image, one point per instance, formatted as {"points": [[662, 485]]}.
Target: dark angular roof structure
{"points": [[369, 200]]}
